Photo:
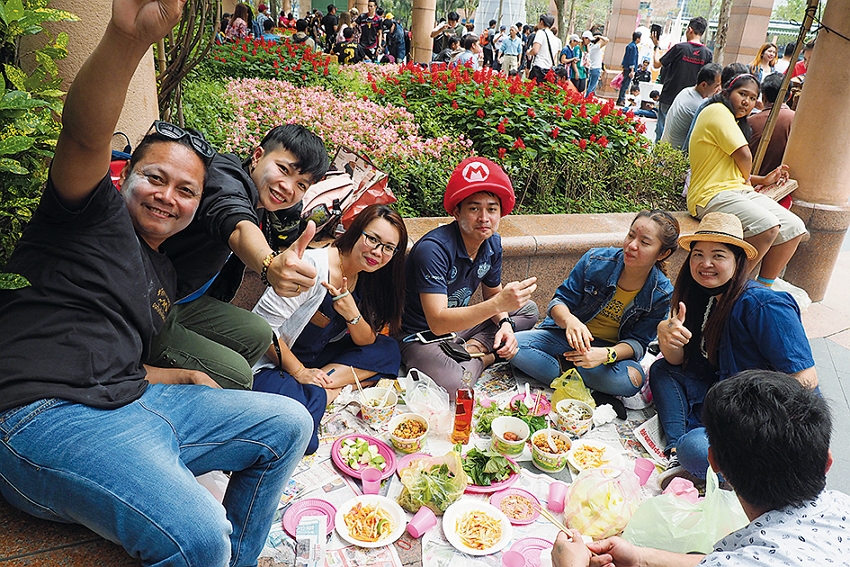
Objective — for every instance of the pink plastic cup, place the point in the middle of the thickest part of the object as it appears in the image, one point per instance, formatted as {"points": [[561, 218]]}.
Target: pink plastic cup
{"points": [[513, 559], [557, 495], [422, 521], [643, 469], [371, 479]]}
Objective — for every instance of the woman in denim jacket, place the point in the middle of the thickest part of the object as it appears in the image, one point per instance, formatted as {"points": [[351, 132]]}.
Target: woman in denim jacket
{"points": [[721, 323], [604, 315]]}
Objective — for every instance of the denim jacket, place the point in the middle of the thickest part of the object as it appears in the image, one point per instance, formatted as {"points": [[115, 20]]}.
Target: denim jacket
{"points": [[764, 331], [593, 282]]}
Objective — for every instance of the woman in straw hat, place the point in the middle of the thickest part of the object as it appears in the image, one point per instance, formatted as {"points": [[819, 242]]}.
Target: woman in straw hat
{"points": [[721, 323]]}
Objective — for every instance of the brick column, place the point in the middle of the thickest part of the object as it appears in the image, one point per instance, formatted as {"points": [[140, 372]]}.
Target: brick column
{"points": [[748, 22], [818, 152], [623, 23], [140, 106], [422, 24]]}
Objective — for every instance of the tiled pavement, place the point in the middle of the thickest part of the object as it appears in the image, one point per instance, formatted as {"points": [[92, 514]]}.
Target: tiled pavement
{"points": [[25, 541]]}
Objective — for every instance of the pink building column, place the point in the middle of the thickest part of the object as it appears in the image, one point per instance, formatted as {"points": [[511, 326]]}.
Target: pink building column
{"points": [[623, 23], [747, 32], [818, 154], [423, 19]]}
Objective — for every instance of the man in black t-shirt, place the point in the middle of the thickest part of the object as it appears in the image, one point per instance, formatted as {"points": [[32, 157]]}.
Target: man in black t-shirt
{"points": [[370, 31], [679, 67], [89, 434], [348, 51], [330, 23]]}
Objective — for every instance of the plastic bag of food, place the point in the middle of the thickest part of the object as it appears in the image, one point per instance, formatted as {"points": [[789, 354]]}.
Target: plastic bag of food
{"points": [[601, 502], [673, 523], [435, 482], [428, 399], [570, 385]]}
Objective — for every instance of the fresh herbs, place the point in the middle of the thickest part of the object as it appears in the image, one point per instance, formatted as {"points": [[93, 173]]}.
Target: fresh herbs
{"points": [[435, 487], [486, 467], [485, 415]]}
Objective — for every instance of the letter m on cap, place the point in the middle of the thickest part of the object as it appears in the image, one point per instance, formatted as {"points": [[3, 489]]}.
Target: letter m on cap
{"points": [[476, 172]]}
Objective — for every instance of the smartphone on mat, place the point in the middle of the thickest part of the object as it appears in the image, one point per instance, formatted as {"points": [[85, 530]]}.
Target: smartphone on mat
{"points": [[428, 337]]}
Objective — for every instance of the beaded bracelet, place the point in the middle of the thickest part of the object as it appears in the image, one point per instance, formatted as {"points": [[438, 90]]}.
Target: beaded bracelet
{"points": [[266, 263]]}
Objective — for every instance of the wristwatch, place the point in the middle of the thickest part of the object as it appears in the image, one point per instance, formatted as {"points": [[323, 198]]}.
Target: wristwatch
{"points": [[612, 356], [507, 320], [355, 320]]}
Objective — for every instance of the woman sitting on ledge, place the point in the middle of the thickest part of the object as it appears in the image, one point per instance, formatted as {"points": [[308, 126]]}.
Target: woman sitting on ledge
{"points": [[604, 315], [332, 330]]}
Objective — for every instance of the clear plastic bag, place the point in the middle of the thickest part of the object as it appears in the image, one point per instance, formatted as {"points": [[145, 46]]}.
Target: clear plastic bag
{"points": [[428, 399], [601, 502], [674, 524], [434, 482]]}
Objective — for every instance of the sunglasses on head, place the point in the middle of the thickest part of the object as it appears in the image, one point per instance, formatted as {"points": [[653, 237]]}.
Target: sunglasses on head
{"points": [[169, 130]]}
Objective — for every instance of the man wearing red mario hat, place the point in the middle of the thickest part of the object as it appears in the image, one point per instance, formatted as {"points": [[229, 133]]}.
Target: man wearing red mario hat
{"points": [[445, 268]]}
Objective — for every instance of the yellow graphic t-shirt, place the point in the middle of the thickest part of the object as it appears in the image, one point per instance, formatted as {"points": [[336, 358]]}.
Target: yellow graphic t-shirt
{"points": [[606, 324]]}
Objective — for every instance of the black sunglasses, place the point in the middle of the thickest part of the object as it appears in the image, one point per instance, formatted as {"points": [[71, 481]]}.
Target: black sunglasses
{"points": [[169, 130]]}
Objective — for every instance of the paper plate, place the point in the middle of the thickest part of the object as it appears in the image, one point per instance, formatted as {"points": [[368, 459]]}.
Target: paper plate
{"points": [[399, 519], [531, 548], [308, 507], [497, 498], [405, 461], [611, 457], [496, 486], [383, 449], [456, 510]]}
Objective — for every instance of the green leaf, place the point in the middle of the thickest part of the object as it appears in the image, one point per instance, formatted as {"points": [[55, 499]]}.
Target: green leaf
{"points": [[14, 11], [15, 144], [3, 13], [12, 166], [15, 76], [13, 281]]}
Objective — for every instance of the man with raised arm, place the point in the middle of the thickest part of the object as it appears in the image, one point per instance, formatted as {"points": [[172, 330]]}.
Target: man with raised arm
{"points": [[769, 438], [447, 266], [89, 434]]}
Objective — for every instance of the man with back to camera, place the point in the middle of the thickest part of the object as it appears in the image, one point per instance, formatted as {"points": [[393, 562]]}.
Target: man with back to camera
{"points": [[447, 265], [682, 111], [679, 67], [769, 437], [545, 49], [89, 434], [782, 130]]}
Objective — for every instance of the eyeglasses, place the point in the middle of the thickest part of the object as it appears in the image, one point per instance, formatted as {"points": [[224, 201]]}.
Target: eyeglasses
{"points": [[169, 130], [388, 249]]}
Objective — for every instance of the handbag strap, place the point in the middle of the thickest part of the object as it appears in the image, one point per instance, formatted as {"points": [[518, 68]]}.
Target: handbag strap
{"points": [[549, 45]]}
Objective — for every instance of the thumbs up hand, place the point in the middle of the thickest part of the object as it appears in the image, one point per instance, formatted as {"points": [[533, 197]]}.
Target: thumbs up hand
{"points": [[289, 274], [672, 333]]}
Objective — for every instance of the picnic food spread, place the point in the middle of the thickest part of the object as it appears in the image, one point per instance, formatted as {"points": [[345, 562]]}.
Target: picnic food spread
{"points": [[517, 507], [358, 453]]}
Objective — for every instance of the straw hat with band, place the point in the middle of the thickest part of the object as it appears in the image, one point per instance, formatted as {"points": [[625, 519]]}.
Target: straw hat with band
{"points": [[723, 228], [477, 174]]}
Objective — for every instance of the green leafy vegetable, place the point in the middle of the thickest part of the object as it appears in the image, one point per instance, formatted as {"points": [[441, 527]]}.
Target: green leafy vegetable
{"points": [[434, 487], [486, 467], [485, 416]]}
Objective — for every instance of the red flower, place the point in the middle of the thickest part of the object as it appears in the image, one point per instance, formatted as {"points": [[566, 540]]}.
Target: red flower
{"points": [[593, 137], [568, 113], [380, 92], [501, 127], [602, 141], [454, 104], [641, 128], [502, 152], [451, 87], [582, 144], [630, 115], [555, 132], [479, 113], [519, 145], [243, 58], [582, 111], [477, 92], [595, 120], [531, 113]]}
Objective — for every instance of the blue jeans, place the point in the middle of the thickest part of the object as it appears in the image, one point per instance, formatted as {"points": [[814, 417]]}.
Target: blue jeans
{"points": [[661, 109], [624, 87], [592, 80], [538, 354], [678, 396], [128, 473]]}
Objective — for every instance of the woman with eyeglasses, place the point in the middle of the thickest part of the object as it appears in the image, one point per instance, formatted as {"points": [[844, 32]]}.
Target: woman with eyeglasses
{"points": [[333, 330]]}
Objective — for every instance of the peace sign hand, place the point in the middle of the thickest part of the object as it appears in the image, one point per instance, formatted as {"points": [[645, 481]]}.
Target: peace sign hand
{"points": [[343, 300]]}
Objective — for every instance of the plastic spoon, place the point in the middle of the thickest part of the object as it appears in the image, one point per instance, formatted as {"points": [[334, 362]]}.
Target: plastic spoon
{"points": [[549, 434], [528, 399]]}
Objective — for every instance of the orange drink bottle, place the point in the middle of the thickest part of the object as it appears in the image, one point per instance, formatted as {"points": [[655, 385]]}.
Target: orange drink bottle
{"points": [[464, 406]]}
